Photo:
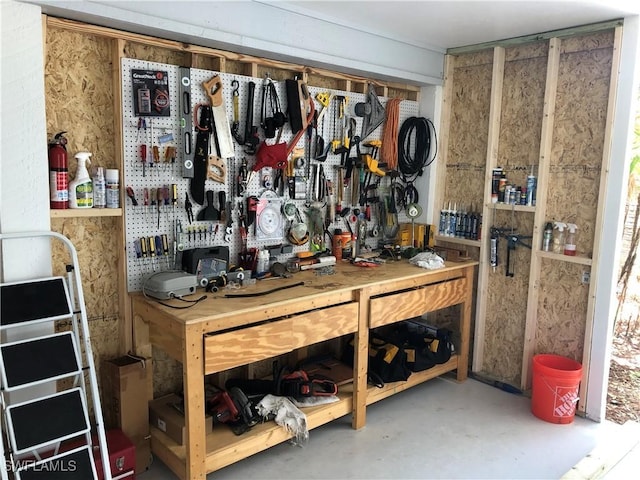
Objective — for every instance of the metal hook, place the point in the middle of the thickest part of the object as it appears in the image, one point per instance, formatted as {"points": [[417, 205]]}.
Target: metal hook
{"points": [[236, 86]]}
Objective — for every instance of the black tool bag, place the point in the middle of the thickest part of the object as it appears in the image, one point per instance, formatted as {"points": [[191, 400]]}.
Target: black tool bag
{"points": [[387, 360], [424, 350]]}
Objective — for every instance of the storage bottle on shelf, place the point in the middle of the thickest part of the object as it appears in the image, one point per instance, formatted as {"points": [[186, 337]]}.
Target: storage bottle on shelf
{"points": [[99, 189], [570, 242], [113, 188], [547, 237], [81, 188], [532, 184], [558, 237]]}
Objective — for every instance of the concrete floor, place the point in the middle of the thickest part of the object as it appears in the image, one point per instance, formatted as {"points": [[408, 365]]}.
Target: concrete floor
{"points": [[440, 429]]}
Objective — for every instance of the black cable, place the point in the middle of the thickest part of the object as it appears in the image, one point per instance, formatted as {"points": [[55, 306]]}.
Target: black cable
{"points": [[415, 150], [259, 294]]}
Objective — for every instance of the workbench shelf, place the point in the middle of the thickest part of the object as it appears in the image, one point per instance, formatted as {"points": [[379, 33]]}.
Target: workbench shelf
{"points": [[86, 213], [375, 394], [225, 448]]}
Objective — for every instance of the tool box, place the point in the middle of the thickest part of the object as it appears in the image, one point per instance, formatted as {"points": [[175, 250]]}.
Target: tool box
{"points": [[122, 455]]}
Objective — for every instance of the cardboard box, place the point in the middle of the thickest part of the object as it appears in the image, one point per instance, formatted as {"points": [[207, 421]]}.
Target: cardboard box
{"points": [[165, 413], [126, 388]]}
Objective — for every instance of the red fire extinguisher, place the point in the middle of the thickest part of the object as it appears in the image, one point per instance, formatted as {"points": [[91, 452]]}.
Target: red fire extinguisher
{"points": [[58, 172]]}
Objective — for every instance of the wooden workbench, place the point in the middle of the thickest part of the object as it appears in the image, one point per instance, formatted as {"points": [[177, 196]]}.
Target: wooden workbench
{"points": [[221, 333]]}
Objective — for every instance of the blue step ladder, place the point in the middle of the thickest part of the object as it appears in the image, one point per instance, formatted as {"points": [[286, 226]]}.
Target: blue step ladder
{"points": [[35, 434]]}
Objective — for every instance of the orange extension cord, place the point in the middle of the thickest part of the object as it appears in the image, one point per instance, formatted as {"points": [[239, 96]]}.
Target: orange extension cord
{"points": [[389, 149]]}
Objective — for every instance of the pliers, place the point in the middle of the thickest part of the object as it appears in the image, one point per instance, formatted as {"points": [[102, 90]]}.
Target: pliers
{"points": [[188, 206]]}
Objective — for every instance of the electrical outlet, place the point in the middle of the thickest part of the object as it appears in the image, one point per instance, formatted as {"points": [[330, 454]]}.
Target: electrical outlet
{"points": [[586, 277]]}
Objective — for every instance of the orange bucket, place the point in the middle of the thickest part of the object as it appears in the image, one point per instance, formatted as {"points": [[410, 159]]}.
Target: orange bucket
{"points": [[554, 394]]}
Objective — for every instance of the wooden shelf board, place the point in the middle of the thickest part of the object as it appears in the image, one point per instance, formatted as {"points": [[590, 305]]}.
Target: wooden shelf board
{"points": [[459, 241], [375, 394], [507, 206], [565, 258], [225, 448], [86, 212]]}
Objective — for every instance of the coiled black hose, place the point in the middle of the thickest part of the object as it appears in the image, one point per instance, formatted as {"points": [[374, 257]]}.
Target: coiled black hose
{"points": [[415, 152]]}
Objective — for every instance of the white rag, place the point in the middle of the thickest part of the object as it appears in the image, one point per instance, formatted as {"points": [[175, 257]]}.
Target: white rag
{"points": [[428, 260], [287, 415]]}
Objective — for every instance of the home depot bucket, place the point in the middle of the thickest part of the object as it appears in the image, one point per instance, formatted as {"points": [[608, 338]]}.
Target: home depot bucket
{"points": [[555, 388]]}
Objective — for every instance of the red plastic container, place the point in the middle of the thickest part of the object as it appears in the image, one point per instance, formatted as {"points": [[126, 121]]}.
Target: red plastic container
{"points": [[555, 385]]}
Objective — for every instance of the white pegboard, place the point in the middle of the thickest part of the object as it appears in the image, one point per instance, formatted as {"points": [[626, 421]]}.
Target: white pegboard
{"points": [[142, 222]]}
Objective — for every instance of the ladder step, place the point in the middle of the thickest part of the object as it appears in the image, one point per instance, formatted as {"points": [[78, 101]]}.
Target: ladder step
{"points": [[72, 465], [29, 362], [47, 420], [34, 301]]}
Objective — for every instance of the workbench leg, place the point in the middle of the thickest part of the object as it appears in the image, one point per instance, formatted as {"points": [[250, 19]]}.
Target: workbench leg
{"points": [[193, 384], [465, 326], [361, 362]]}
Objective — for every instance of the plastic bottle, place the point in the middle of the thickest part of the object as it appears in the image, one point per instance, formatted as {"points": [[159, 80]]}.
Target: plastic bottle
{"points": [[570, 242], [443, 218], [558, 237], [99, 189], [531, 188], [81, 188], [547, 237], [113, 188], [336, 244]]}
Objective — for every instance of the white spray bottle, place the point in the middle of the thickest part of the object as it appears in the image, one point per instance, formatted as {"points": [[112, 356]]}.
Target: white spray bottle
{"points": [[81, 188], [570, 242], [558, 237]]}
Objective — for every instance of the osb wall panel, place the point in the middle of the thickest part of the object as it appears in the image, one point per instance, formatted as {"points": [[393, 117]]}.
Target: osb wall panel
{"points": [[521, 117], [156, 54], [527, 51], [97, 253], [167, 374], [561, 309], [507, 300], [518, 149], [468, 131], [581, 108], [78, 95]]}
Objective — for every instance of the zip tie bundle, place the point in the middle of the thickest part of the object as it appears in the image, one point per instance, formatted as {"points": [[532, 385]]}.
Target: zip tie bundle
{"points": [[389, 149]]}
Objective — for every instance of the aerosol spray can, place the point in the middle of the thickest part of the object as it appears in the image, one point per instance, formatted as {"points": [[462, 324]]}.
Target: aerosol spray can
{"points": [[531, 189]]}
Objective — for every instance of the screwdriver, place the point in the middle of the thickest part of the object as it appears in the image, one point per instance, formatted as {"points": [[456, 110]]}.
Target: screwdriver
{"points": [[159, 196], [145, 199], [165, 248], [155, 153], [153, 198], [138, 250], [132, 196], [143, 248], [159, 249], [152, 252], [143, 158]]}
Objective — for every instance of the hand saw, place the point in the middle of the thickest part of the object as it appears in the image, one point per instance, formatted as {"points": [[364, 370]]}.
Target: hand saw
{"points": [[213, 89]]}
